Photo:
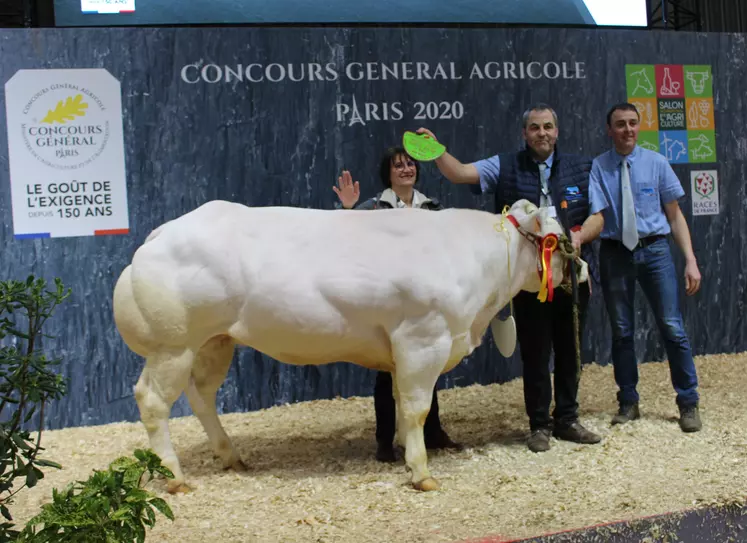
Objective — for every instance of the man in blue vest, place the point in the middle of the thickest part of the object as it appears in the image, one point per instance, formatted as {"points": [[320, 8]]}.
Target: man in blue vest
{"points": [[545, 177]]}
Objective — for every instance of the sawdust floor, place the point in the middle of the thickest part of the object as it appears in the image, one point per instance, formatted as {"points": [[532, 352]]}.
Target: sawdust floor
{"points": [[313, 476]]}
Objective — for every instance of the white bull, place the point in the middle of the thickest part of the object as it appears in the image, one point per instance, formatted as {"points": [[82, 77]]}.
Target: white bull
{"points": [[406, 291]]}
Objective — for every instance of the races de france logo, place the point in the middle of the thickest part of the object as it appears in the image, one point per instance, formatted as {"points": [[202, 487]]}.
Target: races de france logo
{"points": [[705, 185], [67, 126]]}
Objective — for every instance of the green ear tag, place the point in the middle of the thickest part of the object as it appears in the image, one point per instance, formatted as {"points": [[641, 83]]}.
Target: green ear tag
{"points": [[422, 147]]}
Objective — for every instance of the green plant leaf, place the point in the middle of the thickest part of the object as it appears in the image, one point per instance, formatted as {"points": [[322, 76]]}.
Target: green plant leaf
{"points": [[121, 513], [166, 472], [32, 476], [137, 495], [132, 475], [140, 533], [121, 464], [47, 463], [150, 517], [20, 441], [163, 507]]}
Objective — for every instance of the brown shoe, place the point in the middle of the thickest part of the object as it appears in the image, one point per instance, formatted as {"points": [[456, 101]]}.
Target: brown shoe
{"points": [[690, 419], [626, 413], [539, 441], [577, 433]]}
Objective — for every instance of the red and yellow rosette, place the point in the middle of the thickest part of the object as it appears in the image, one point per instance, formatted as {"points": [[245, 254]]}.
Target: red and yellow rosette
{"points": [[548, 246]]}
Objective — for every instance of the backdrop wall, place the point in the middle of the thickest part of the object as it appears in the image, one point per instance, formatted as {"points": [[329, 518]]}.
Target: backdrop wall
{"points": [[270, 116]]}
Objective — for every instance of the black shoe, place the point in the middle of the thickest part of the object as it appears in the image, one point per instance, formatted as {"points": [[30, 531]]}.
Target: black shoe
{"points": [[626, 413], [385, 453], [442, 441], [690, 418], [576, 433], [539, 441]]}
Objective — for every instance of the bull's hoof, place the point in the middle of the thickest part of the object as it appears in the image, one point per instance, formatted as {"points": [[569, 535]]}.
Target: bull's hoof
{"points": [[427, 485], [237, 466], [178, 488]]}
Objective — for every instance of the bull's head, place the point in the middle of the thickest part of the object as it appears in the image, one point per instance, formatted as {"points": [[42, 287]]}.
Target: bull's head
{"points": [[553, 249]]}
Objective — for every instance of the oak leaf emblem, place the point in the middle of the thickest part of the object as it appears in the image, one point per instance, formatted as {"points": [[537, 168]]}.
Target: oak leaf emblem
{"points": [[66, 110]]}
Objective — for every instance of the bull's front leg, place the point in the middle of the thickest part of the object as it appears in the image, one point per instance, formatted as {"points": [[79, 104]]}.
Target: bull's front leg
{"points": [[415, 404], [419, 360]]}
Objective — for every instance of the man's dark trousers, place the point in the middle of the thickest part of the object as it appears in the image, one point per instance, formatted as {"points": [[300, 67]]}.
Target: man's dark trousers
{"points": [[540, 327]]}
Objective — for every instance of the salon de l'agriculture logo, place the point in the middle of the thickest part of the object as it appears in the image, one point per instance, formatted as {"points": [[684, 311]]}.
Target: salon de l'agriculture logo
{"points": [[675, 102]]}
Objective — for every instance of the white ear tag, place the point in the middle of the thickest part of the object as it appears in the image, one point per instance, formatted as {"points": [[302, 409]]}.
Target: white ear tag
{"points": [[504, 335]]}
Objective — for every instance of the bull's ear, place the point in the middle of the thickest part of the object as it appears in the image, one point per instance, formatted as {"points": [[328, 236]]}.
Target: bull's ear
{"points": [[540, 218], [529, 216], [519, 209]]}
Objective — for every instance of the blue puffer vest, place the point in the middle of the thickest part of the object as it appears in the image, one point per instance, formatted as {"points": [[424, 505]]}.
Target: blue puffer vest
{"points": [[569, 181]]}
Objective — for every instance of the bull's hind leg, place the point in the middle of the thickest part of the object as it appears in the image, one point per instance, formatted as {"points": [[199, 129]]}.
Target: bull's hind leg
{"points": [[420, 354], [162, 381], [208, 373]]}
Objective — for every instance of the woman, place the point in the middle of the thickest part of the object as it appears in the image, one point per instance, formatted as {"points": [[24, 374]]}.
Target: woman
{"points": [[398, 173]]}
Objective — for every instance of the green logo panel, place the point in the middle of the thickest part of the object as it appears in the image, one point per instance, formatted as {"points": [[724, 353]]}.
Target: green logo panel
{"points": [[649, 140], [701, 145], [698, 81], [640, 80]]}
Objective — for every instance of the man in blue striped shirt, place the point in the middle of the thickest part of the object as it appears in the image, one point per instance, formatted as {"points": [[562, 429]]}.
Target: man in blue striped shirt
{"points": [[634, 195]]}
